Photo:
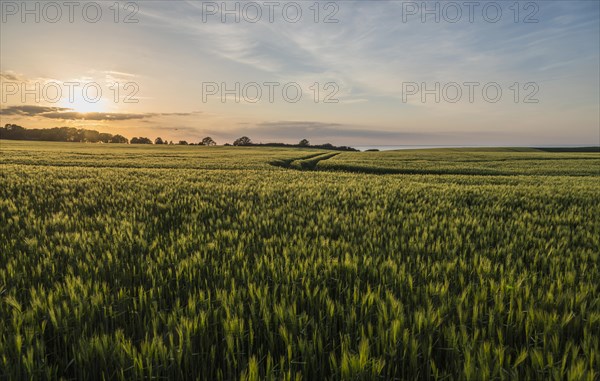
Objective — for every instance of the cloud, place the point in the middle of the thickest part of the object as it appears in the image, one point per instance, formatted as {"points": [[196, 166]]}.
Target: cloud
{"points": [[300, 129], [111, 76], [119, 74], [31, 110], [106, 116], [290, 131], [68, 113], [10, 76], [175, 113]]}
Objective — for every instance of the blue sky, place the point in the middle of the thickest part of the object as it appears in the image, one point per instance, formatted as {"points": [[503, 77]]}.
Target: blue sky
{"points": [[368, 57]]}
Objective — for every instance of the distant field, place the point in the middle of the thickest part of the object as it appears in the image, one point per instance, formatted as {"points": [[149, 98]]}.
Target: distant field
{"points": [[469, 161], [226, 263]]}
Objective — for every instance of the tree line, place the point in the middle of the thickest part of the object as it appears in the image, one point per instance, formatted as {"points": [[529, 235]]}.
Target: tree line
{"points": [[59, 134], [304, 143], [81, 135]]}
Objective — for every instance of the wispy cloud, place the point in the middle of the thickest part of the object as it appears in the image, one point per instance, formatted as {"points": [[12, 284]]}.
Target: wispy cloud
{"points": [[10, 76], [30, 110], [68, 113], [290, 131]]}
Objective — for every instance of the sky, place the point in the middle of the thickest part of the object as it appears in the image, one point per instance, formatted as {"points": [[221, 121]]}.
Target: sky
{"points": [[346, 72]]}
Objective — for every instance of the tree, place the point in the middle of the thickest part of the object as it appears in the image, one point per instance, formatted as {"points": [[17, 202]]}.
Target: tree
{"points": [[208, 141], [119, 139], [183, 143], [104, 137], [13, 132], [304, 143], [158, 140], [243, 141], [140, 140]]}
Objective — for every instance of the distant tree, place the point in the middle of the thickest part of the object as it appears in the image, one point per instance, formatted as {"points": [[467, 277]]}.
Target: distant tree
{"points": [[227, 145], [170, 142], [208, 141], [89, 136], [304, 143], [119, 139], [141, 140], [183, 143], [104, 137], [58, 134], [13, 132], [158, 140], [243, 141]]}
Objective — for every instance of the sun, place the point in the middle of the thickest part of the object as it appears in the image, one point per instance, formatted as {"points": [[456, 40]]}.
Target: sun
{"points": [[81, 105]]}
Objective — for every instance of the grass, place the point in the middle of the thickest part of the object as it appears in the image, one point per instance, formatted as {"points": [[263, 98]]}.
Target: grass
{"points": [[137, 262]]}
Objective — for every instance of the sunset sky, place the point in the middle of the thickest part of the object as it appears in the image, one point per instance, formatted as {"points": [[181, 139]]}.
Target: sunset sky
{"points": [[369, 55]]}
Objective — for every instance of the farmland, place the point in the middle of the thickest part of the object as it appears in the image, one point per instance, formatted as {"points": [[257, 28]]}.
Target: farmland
{"points": [[228, 263]]}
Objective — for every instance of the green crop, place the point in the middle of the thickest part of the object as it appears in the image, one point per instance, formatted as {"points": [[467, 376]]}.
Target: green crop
{"points": [[211, 263]]}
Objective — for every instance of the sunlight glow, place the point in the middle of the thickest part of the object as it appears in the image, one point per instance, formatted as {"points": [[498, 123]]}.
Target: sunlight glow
{"points": [[81, 105]]}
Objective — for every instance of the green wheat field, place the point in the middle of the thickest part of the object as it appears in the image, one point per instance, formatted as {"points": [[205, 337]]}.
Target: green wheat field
{"points": [[122, 262]]}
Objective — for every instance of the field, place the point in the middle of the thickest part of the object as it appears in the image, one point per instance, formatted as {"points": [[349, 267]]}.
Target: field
{"points": [[233, 263]]}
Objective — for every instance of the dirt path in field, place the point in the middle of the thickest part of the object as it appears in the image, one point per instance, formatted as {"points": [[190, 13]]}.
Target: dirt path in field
{"points": [[306, 163], [310, 163]]}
